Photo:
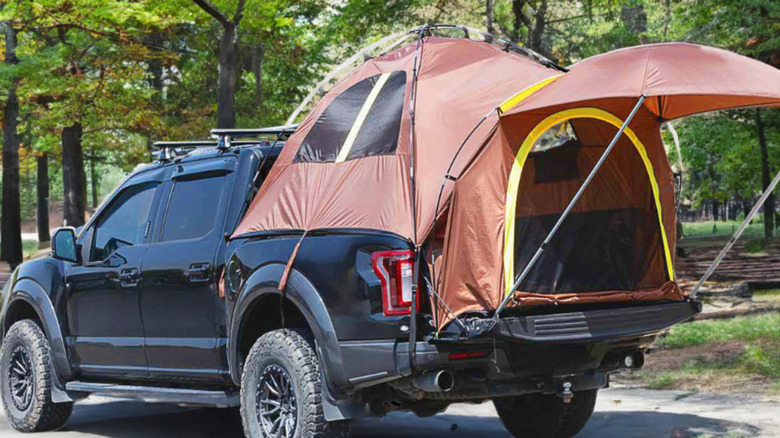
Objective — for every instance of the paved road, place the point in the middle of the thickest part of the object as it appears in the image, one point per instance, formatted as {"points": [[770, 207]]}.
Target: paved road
{"points": [[620, 413]]}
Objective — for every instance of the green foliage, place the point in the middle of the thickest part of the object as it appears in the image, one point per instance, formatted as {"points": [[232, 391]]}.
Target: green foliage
{"points": [[135, 72], [721, 330]]}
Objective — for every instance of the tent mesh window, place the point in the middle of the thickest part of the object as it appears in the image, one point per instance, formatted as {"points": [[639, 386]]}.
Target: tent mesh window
{"points": [[363, 121]]}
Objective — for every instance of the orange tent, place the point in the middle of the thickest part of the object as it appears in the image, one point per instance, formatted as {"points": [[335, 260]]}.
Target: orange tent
{"points": [[460, 145], [617, 243]]}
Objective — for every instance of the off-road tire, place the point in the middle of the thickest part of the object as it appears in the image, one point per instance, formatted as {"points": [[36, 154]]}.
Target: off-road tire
{"points": [[545, 415], [42, 414], [293, 350]]}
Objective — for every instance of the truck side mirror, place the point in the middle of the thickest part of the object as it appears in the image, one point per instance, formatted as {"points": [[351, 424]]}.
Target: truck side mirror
{"points": [[64, 245]]}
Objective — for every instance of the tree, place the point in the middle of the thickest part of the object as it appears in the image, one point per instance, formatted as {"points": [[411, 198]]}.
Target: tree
{"points": [[228, 60], [749, 28], [42, 191], [73, 175], [11, 227]]}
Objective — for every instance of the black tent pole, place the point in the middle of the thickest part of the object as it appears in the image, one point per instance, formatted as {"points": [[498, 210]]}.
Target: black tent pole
{"points": [[568, 209], [412, 348]]}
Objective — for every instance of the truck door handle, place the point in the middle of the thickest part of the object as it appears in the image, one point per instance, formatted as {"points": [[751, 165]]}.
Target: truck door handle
{"points": [[129, 277], [200, 272]]}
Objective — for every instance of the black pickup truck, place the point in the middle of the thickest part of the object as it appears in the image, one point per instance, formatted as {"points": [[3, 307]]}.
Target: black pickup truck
{"points": [[153, 299]]}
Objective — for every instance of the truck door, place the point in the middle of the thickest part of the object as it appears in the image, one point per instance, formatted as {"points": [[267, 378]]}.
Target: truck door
{"points": [[106, 330], [179, 299]]}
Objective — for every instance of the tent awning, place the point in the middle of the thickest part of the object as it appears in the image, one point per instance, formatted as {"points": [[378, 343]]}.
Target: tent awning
{"points": [[677, 79]]}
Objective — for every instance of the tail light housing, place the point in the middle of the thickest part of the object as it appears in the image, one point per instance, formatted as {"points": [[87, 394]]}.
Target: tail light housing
{"points": [[395, 270]]}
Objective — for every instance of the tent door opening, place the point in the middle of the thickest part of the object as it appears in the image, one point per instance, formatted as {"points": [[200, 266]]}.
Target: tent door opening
{"points": [[614, 239]]}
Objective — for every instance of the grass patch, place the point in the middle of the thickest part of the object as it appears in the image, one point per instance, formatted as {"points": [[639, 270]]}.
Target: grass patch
{"points": [[661, 381], [767, 296], [729, 355], [722, 330], [754, 246], [720, 228], [763, 359]]}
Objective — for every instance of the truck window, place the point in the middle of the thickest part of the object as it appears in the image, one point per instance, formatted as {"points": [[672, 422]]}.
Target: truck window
{"points": [[124, 221], [192, 210]]}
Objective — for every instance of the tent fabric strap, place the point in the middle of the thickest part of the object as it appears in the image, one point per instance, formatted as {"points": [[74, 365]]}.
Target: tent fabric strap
{"points": [[290, 261], [514, 184]]}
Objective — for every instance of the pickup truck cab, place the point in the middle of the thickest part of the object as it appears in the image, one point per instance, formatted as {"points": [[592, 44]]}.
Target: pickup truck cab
{"points": [[153, 299]]}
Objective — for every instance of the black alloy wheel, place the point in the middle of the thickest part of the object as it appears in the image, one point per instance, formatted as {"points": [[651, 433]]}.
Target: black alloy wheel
{"points": [[21, 379], [275, 402]]}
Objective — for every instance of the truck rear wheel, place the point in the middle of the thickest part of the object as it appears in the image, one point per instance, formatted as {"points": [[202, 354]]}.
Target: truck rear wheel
{"points": [[545, 415], [281, 389], [26, 380]]}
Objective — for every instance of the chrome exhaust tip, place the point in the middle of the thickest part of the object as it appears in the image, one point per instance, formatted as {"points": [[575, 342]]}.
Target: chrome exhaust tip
{"points": [[634, 360], [436, 381]]}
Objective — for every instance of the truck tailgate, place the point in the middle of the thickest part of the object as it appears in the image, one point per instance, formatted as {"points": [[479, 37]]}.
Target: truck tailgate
{"points": [[596, 325]]}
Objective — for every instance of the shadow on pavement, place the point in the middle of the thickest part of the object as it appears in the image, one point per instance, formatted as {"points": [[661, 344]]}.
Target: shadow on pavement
{"points": [[123, 419]]}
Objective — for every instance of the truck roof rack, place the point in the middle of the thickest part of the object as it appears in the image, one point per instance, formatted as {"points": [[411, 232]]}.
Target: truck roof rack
{"points": [[168, 149], [225, 140], [231, 134]]}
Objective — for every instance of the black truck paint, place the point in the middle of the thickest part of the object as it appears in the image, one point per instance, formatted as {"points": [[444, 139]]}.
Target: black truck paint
{"points": [[157, 319]]}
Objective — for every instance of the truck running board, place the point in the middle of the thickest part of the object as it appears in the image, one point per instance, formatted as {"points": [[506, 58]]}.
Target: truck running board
{"points": [[218, 399], [590, 325]]}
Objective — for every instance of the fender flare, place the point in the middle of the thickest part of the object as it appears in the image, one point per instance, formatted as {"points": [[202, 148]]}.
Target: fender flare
{"points": [[302, 293], [33, 294]]}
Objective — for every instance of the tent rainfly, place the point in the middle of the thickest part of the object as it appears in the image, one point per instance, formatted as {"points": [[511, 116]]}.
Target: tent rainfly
{"points": [[529, 185]]}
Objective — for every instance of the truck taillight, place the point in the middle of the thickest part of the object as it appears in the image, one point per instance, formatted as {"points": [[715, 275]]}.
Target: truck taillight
{"points": [[395, 270]]}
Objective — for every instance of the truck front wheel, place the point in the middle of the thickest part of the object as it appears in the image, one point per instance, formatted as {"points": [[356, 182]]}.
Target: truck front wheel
{"points": [[545, 415], [26, 380], [281, 389]]}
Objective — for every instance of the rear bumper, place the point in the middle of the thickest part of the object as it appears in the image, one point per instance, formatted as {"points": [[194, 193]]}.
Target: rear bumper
{"points": [[536, 350], [594, 325]]}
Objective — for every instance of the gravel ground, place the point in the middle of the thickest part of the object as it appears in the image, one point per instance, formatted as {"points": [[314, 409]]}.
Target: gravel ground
{"points": [[624, 413]]}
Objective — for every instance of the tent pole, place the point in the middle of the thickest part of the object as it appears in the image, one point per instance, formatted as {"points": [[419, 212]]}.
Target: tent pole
{"points": [[412, 187], [569, 208], [736, 235]]}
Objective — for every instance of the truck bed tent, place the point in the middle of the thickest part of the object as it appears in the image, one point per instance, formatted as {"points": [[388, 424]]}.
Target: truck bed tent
{"points": [[618, 242], [497, 147]]}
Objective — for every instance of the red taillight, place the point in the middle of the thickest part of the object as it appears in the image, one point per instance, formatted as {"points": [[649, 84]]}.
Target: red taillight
{"points": [[395, 270], [468, 355]]}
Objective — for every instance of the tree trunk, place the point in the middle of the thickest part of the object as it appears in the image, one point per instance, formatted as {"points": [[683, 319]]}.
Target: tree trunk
{"points": [[634, 17], [667, 17], [73, 176], [769, 205], [715, 210], [517, 24], [489, 8], [257, 69], [228, 66], [536, 34], [42, 213], [11, 225], [94, 180]]}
